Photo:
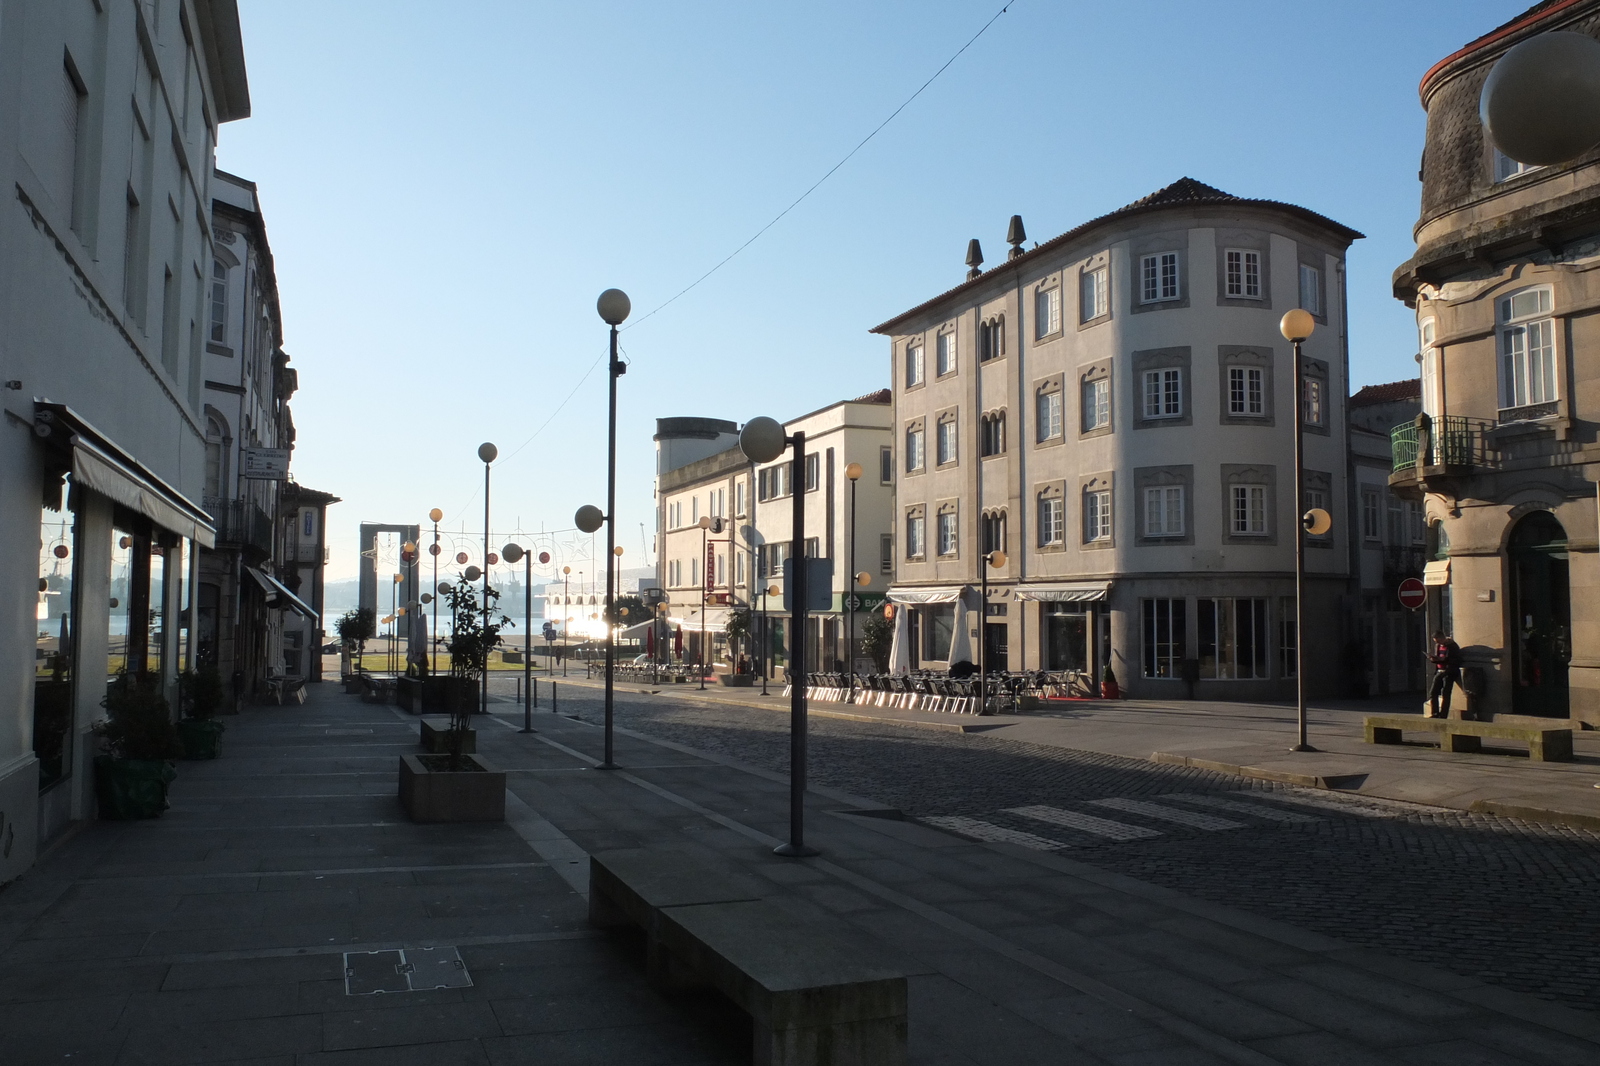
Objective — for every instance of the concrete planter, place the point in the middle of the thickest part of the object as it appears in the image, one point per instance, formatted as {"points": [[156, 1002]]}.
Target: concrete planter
{"points": [[409, 694], [439, 692], [435, 795], [200, 737], [436, 737], [737, 680]]}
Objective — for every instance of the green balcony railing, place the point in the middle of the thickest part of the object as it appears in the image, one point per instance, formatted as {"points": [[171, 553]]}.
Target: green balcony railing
{"points": [[1453, 441]]}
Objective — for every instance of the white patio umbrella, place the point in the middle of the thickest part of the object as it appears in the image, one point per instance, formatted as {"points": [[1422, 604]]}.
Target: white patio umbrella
{"points": [[900, 648], [960, 642]]}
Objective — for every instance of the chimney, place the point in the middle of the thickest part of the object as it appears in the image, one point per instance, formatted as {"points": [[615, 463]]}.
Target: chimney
{"points": [[1015, 235], [974, 258]]}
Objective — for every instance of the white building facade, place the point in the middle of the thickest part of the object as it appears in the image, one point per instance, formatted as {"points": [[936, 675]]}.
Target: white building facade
{"points": [[1112, 409], [110, 120]]}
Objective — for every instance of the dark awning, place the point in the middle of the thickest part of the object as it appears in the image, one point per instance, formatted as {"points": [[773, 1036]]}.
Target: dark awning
{"points": [[278, 594]]}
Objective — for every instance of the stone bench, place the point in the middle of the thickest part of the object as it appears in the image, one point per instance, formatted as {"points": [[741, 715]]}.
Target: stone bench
{"points": [[1551, 744], [813, 996]]}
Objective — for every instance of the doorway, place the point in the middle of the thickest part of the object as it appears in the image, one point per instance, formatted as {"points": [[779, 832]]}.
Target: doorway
{"points": [[1066, 637], [1541, 625]]}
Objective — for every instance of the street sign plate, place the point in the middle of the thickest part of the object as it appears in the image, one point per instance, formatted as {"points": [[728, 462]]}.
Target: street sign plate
{"points": [[265, 464], [1413, 593]]}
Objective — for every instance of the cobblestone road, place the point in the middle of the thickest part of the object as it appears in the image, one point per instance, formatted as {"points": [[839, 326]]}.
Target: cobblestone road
{"points": [[1509, 902]]}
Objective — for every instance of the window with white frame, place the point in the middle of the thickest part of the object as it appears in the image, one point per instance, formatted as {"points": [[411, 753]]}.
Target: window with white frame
{"points": [[813, 472], [914, 366], [1158, 277], [1049, 419], [1165, 636], [1247, 391], [947, 533], [219, 301], [1094, 294], [1047, 311], [1163, 393], [1310, 289], [739, 501], [1052, 521], [916, 529], [886, 465], [1371, 517], [945, 442], [1096, 515], [1506, 168], [694, 509], [1527, 349], [694, 571], [1163, 511], [1247, 515], [738, 568], [1242, 269], [1096, 404], [945, 354], [1432, 396], [886, 553], [1314, 392], [1235, 640], [914, 449]]}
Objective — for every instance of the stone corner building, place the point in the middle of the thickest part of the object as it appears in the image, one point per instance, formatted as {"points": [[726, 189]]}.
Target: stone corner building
{"points": [[1113, 409], [1505, 282]]}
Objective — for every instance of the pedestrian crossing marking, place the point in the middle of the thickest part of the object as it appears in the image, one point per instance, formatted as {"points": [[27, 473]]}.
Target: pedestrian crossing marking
{"points": [[1088, 823], [982, 830], [1254, 810], [1193, 819]]}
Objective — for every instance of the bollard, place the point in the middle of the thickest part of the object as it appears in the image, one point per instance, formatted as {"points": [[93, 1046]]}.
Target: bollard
{"points": [[552, 697], [534, 684]]}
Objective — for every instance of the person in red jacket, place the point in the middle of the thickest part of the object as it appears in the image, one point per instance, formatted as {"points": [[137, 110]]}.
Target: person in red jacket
{"points": [[1447, 673]]}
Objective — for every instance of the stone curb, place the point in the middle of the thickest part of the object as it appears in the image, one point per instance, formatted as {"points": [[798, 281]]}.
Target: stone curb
{"points": [[1535, 814], [1282, 777]]}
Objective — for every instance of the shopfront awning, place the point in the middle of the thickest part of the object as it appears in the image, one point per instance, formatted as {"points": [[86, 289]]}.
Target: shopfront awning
{"points": [[1436, 572], [1064, 592], [926, 594], [716, 620], [638, 632], [98, 464], [278, 594]]}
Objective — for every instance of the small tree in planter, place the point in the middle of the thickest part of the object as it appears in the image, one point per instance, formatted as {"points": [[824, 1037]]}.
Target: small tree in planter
{"points": [[738, 630], [202, 695], [455, 785], [877, 639], [132, 774], [357, 627]]}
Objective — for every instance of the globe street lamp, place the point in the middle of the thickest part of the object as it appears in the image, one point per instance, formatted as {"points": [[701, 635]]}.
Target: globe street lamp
{"points": [[1296, 326], [1541, 102], [996, 559], [853, 472], [513, 553], [762, 440], [589, 519]]}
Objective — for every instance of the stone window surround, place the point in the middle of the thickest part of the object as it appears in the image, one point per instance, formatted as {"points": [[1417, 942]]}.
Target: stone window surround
{"points": [[946, 330], [996, 324], [1098, 261], [948, 416], [948, 507], [1101, 482], [997, 414], [1312, 255], [1155, 244], [1052, 281], [1050, 490], [1318, 368], [1250, 241], [1248, 355], [1149, 477], [1249, 474], [1053, 383], [918, 341], [913, 425], [916, 510], [1097, 372], [1162, 359]]}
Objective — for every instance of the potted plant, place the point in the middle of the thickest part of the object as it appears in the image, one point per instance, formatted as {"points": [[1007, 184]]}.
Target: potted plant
{"points": [[453, 783], [877, 639], [134, 770], [738, 630], [1109, 689], [199, 729], [355, 628]]}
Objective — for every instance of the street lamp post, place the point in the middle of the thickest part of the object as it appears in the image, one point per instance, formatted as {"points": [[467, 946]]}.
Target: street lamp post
{"points": [[488, 453], [1296, 326], [433, 636], [996, 559], [853, 472], [766, 640], [513, 553], [566, 614], [705, 580], [762, 440]]}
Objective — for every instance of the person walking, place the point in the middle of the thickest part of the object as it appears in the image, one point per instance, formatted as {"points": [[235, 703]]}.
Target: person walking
{"points": [[1447, 673]]}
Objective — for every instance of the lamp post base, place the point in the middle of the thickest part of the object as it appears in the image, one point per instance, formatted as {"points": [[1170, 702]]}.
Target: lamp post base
{"points": [[792, 851], [1303, 747], [607, 766]]}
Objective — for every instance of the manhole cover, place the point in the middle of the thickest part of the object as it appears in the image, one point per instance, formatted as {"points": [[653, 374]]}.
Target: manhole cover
{"points": [[368, 973]]}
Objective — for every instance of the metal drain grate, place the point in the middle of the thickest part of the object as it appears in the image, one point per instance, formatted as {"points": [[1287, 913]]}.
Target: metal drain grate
{"points": [[369, 973]]}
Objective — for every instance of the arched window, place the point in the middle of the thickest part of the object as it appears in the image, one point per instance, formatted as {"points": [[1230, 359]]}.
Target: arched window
{"points": [[216, 455]]}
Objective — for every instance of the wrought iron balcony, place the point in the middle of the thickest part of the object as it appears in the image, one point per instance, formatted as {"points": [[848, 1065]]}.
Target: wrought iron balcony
{"points": [[240, 522], [1456, 444], [1401, 562]]}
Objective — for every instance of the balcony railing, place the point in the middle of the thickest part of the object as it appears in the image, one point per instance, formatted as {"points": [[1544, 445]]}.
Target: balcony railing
{"points": [[240, 522], [1453, 441], [1402, 562]]}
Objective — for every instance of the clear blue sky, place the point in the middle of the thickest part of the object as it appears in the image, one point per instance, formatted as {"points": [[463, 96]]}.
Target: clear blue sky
{"points": [[449, 186]]}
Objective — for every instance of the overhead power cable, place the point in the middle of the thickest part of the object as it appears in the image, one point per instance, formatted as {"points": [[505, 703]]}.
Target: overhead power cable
{"points": [[818, 183]]}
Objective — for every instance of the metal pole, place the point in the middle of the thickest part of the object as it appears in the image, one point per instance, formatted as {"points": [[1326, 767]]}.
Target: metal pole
{"points": [[705, 578], [611, 542], [483, 706], [849, 603], [1299, 555], [796, 848], [566, 619], [433, 637], [983, 633], [527, 645], [765, 640]]}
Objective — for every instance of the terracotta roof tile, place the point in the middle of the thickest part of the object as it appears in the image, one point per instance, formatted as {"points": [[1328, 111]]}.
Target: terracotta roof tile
{"points": [[1410, 389]]}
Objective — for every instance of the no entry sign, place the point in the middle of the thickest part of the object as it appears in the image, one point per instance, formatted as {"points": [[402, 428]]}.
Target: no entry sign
{"points": [[1413, 593]]}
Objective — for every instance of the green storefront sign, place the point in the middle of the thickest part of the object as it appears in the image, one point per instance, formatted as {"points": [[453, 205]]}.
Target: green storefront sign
{"points": [[864, 601]]}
